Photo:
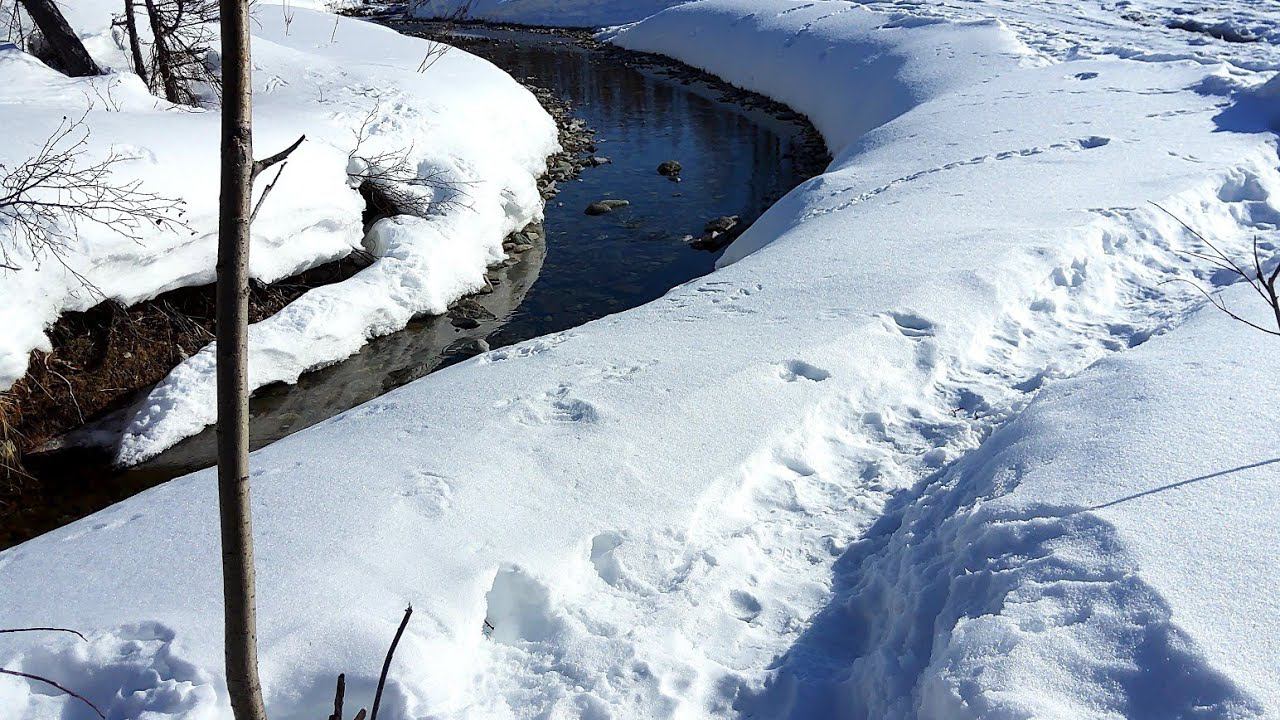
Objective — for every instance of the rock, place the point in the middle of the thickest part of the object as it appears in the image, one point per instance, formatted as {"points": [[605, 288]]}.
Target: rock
{"points": [[603, 207], [523, 247], [467, 314], [597, 161], [468, 347], [718, 233], [723, 224], [670, 169]]}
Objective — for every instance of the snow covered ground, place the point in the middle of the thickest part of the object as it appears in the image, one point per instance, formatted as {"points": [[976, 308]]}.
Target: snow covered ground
{"points": [[317, 75], [940, 438]]}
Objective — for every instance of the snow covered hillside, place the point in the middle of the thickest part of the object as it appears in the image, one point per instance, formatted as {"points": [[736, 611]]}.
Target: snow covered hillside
{"points": [[318, 75], [939, 439]]}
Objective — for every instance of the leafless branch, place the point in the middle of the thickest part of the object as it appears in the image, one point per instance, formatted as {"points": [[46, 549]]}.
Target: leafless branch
{"points": [[1262, 283], [263, 164], [393, 183], [77, 633], [45, 199], [47, 681], [386, 664], [435, 51], [182, 34], [265, 191]]}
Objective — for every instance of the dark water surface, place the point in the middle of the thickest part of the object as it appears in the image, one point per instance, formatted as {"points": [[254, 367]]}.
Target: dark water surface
{"points": [[736, 161]]}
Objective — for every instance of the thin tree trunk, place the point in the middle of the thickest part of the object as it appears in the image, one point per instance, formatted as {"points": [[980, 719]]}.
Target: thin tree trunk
{"points": [[63, 42], [135, 46], [161, 38], [236, 207]]}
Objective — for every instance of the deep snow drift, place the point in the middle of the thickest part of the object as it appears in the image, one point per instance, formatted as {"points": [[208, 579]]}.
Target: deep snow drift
{"points": [[318, 75], [856, 472]]}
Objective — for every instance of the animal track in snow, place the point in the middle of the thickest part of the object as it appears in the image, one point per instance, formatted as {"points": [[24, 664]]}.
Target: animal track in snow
{"points": [[1086, 143], [910, 324], [799, 369], [429, 493], [557, 406], [744, 605], [606, 563]]}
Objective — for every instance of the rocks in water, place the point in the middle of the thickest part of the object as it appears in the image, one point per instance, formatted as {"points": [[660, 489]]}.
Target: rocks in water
{"points": [[670, 169], [468, 347], [603, 207], [719, 232], [522, 247], [597, 161], [467, 314], [722, 224]]}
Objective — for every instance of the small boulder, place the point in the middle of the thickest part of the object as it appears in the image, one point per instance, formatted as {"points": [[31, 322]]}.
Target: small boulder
{"points": [[723, 224], [669, 169], [603, 207]]}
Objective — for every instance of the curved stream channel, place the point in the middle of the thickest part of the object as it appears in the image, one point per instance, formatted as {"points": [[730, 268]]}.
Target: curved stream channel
{"points": [[739, 155]]}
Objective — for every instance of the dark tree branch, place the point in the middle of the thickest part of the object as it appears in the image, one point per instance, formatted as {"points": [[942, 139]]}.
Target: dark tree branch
{"points": [[263, 164], [1264, 285], [267, 190], [386, 665], [47, 681], [44, 629]]}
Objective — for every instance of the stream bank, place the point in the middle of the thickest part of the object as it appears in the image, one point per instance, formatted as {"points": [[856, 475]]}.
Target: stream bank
{"points": [[620, 116]]}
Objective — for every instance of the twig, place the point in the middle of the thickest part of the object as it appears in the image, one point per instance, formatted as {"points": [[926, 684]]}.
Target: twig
{"points": [[337, 697], [47, 681], [1263, 284], [386, 665], [44, 629], [270, 186], [263, 164]]}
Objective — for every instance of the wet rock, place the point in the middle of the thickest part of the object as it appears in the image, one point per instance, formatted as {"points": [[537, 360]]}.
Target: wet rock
{"points": [[719, 233], [467, 314], [597, 161], [669, 169], [468, 347], [724, 223], [523, 247], [603, 207]]}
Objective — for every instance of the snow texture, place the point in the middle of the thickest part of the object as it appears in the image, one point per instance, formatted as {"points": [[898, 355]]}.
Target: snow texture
{"points": [[318, 75], [939, 439]]}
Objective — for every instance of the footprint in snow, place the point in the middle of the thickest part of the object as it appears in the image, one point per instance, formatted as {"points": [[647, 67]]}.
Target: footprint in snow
{"points": [[800, 370]]}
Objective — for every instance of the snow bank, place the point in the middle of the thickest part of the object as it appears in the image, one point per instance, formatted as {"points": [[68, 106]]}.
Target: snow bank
{"points": [[318, 75], [704, 506], [1081, 563]]}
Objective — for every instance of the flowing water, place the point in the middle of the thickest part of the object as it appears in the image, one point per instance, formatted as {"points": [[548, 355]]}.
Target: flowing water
{"points": [[736, 161]]}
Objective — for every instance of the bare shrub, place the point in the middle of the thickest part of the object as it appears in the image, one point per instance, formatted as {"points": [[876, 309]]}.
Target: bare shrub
{"points": [[1251, 271], [393, 183], [45, 199]]}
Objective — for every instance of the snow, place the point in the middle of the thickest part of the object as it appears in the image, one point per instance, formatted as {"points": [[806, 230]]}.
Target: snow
{"points": [[918, 448], [321, 76], [551, 13]]}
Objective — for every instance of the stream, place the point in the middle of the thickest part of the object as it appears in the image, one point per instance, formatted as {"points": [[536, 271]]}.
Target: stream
{"points": [[738, 154]]}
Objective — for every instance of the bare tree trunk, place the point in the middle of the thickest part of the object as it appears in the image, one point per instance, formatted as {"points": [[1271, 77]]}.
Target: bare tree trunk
{"points": [[236, 207], [162, 37], [63, 42], [135, 47]]}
